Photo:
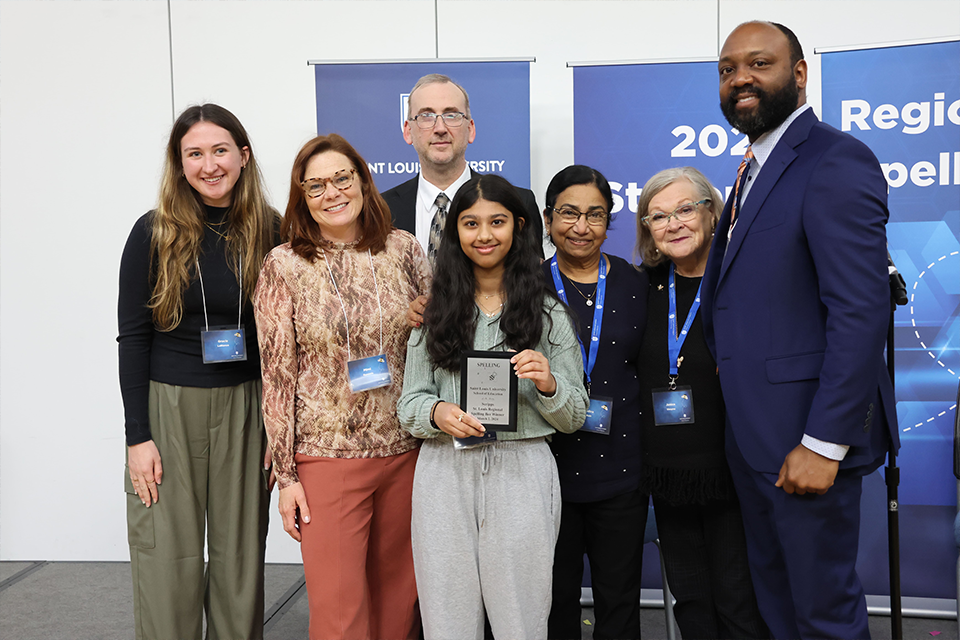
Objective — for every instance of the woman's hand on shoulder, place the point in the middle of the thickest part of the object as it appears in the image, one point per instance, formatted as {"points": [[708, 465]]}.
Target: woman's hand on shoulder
{"points": [[146, 470], [451, 419], [415, 311], [294, 509], [534, 366]]}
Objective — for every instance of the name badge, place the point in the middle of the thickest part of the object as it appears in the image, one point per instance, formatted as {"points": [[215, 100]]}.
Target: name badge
{"points": [[223, 344], [598, 416], [471, 442], [672, 406], [368, 373]]}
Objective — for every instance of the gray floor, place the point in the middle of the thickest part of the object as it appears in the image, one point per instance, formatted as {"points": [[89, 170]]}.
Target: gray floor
{"points": [[92, 600]]}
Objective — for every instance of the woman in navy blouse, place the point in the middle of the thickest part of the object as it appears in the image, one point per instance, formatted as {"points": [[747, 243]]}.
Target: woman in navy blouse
{"points": [[604, 512]]}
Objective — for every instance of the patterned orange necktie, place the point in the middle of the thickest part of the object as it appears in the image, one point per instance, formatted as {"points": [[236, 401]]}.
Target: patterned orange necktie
{"points": [[741, 178]]}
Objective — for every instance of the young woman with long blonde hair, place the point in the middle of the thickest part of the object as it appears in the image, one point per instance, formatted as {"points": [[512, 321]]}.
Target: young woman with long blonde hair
{"points": [[190, 380]]}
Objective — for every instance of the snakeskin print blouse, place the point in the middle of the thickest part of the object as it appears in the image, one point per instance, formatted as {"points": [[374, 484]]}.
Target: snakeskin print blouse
{"points": [[308, 407]]}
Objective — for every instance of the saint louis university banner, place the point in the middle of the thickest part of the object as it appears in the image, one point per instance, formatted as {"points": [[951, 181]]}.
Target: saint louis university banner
{"points": [[366, 103]]}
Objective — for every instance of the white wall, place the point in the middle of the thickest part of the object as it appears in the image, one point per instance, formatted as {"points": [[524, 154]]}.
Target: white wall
{"points": [[86, 103]]}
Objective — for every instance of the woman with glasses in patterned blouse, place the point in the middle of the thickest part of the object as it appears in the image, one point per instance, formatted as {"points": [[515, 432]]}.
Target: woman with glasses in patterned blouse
{"points": [[331, 308]]}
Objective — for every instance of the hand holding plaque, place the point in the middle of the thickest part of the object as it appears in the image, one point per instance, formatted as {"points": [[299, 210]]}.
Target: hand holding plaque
{"points": [[535, 366], [451, 419]]}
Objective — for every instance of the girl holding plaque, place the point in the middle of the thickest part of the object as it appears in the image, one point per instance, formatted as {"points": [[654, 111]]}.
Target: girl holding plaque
{"points": [[190, 379], [331, 309], [485, 518]]}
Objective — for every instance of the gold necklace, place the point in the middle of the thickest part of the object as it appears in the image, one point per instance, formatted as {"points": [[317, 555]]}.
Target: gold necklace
{"points": [[217, 231], [589, 298]]}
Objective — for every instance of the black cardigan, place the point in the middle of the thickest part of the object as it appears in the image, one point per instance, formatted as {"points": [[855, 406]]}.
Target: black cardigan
{"points": [[682, 464]]}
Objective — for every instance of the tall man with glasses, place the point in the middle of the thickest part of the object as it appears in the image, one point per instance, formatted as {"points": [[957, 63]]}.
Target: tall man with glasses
{"points": [[439, 127], [796, 305]]}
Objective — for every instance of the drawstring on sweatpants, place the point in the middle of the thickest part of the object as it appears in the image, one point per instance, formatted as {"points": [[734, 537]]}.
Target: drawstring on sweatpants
{"points": [[485, 454]]}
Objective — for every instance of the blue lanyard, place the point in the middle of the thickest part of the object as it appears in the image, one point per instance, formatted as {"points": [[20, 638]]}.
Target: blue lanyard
{"points": [[674, 340], [588, 361]]}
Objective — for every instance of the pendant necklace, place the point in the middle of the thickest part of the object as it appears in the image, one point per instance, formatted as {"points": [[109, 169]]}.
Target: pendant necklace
{"points": [[483, 308], [588, 298]]}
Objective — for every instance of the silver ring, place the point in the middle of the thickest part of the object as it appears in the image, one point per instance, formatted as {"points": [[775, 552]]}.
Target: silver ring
{"points": [[460, 417]]}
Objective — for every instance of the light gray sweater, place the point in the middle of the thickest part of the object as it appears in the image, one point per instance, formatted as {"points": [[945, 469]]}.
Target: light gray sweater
{"points": [[537, 415]]}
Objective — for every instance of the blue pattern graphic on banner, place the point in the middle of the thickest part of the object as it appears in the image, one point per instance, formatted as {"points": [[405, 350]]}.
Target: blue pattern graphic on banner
{"points": [[366, 104], [903, 103], [633, 120]]}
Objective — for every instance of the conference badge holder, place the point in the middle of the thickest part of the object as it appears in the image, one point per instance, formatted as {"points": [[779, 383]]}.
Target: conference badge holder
{"points": [[672, 406], [372, 372], [368, 373], [600, 410], [598, 416], [223, 344], [472, 442]]}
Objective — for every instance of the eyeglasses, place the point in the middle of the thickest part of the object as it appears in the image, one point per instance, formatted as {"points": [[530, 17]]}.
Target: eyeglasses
{"points": [[428, 120], [569, 215], [683, 213], [341, 180]]}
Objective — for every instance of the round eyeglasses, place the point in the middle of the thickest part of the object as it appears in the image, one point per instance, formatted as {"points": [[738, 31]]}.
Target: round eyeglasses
{"points": [[428, 120], [569, 215], [683, 213], [341, 180]]}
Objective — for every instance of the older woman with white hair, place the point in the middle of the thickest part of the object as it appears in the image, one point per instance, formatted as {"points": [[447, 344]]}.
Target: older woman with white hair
{"points": [[682, 417]]}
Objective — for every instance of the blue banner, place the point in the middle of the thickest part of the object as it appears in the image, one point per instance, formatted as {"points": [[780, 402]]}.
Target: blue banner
{"points": [[903, 102], [632, 120], [366, 103]]}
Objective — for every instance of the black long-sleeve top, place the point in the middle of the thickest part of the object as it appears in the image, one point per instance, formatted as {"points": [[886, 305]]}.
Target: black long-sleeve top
{"points": [[593, 466], [175, 357], [683, 464]]}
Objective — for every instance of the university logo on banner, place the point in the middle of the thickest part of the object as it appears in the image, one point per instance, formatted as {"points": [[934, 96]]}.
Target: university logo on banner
{"points": [[366, 103]]}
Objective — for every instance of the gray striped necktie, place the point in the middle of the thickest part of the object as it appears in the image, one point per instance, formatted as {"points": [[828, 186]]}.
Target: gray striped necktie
{"points": [[436, 227]]}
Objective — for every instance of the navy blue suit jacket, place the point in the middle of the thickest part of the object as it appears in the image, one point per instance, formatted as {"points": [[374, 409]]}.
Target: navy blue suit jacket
{"points": [[796, 308]]}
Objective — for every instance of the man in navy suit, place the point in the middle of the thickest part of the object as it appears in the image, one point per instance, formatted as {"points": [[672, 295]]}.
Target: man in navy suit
{"points": [[796, 307], [439, 127]]}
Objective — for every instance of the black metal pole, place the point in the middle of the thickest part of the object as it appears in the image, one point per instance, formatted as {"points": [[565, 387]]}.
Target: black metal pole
{"points": [[898, 296]]}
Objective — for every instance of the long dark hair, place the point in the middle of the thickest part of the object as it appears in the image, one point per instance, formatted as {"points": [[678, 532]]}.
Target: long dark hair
{"points": [[451, 314]]}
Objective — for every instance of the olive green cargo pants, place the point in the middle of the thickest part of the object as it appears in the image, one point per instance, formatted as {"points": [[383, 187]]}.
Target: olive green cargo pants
{"points": [[211, 444]]}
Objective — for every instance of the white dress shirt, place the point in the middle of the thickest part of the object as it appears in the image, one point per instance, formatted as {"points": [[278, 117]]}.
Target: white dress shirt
{"points": [[426, 203]]}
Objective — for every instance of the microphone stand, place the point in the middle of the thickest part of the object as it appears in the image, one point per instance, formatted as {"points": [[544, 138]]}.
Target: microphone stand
{"points": [[898, 297]]}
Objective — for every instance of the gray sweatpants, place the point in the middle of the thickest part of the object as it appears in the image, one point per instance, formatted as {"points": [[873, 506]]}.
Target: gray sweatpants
{"points": [[485, 523]]}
